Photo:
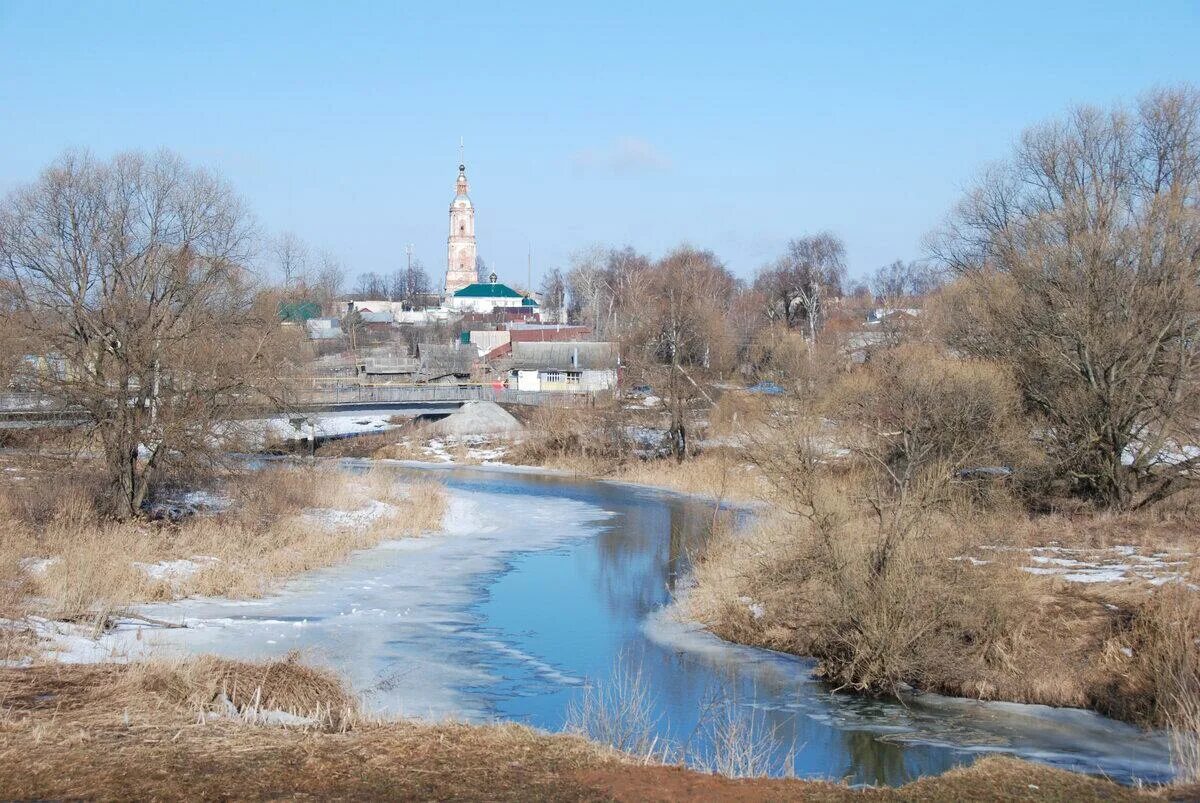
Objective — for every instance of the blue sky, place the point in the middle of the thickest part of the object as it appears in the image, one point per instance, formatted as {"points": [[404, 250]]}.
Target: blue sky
{"points": [[732, 126]]}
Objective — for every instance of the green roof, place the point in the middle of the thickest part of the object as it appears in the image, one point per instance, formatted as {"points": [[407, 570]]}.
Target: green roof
{"points": [[487, 290], [299, 311]]}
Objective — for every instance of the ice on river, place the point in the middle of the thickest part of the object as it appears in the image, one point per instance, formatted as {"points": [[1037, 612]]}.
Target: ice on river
{"points": [[1070, 738], [395, 620], [437, 627]]}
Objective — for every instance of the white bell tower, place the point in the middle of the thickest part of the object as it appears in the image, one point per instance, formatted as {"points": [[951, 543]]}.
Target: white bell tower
{"points": [[460, 247]]}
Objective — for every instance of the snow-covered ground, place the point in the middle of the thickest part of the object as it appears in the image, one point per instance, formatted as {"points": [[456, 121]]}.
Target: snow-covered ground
{"points": [[325, 425], [174, 572], [1117, 564], [334, 519], [478, 448], [394, 620]]}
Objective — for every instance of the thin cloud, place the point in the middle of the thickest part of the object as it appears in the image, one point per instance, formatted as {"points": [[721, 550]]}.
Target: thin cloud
{"points": [[622, 156]]}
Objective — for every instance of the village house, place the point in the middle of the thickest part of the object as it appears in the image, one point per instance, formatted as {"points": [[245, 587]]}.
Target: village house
{"points": [[496, 342], [571, 367]]}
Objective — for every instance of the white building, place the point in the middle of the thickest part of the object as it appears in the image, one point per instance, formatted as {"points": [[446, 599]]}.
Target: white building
{"points": [[323, 328], [488, 297], [564, 367]]}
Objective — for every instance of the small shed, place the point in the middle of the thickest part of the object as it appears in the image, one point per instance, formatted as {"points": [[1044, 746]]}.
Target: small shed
{"points": [[445, 362]]}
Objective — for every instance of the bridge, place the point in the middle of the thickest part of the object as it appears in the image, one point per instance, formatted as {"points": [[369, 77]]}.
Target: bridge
{"points": [[31, 410]]}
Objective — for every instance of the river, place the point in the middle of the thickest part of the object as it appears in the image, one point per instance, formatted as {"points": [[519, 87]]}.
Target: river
{"points": [[540, 585]]}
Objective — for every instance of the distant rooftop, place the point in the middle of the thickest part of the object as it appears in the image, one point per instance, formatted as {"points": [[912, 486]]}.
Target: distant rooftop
{"points": [[487, 290]]}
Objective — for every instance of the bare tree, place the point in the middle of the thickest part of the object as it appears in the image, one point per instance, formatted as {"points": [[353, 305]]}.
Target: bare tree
{"points": [[329, 278], [417, 283], [481, 270], [588, 288], [901, 280], [679, 337], [372, 285], [291, 260], [127, 277], [599, 285], [554, 295], [623, 268], [1080, 260], [799, 283]]}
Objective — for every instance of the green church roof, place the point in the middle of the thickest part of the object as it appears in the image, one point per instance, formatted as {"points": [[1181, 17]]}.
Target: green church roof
{"points": [[487, 290]]}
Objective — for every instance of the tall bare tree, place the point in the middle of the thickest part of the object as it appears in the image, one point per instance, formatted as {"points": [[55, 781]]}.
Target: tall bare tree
{"points": [[416, 283], [328, 281], [127, 277], [679, 337], [291, 260], [797, 286], [600, 284], [901, 280], [588, 288], [1080, 263], [554, 295], [372, 286]]}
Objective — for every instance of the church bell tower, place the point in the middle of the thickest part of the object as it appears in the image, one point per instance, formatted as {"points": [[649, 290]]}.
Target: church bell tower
{"points": [[460, 250]]}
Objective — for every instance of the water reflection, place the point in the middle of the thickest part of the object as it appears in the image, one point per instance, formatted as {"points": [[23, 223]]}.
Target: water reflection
{"points": [[541, 583], [580, 606]]}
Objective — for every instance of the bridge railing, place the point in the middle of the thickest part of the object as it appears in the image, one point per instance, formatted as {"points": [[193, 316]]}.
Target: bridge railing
{"points": [[356, 393], [27, 405]]}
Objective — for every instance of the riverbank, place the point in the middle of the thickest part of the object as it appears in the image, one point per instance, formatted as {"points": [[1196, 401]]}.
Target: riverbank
{"points": [[67, 570], [1099, 613], [166, 732], [1066, 610]]}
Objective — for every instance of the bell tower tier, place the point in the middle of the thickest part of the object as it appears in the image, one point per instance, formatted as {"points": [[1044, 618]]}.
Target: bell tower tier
{"points": [[460, 247]]}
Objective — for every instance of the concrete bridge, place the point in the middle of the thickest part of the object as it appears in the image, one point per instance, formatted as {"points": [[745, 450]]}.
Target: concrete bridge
{"points": [[28, 410]]}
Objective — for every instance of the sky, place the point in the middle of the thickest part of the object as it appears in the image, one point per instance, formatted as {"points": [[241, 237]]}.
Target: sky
{"points": [[728, 126]]}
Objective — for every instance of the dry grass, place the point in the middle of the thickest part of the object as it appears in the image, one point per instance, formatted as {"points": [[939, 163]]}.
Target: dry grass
{"points": [[940, 623], [114, 732], [718, 473], [593, 442], [208, 685], [594, 437], [269, 532], [620, 714]]}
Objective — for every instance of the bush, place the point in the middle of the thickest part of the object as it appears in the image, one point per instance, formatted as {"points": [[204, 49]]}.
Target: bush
{"points": [[589, 434]]}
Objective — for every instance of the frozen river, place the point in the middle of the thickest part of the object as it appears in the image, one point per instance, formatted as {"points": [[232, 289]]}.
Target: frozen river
{"points": [[542, 584]]}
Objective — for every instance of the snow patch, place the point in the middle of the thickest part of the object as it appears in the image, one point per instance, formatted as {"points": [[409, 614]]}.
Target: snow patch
{"points": [[334, 519], [37, 566], [176, 571]]}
